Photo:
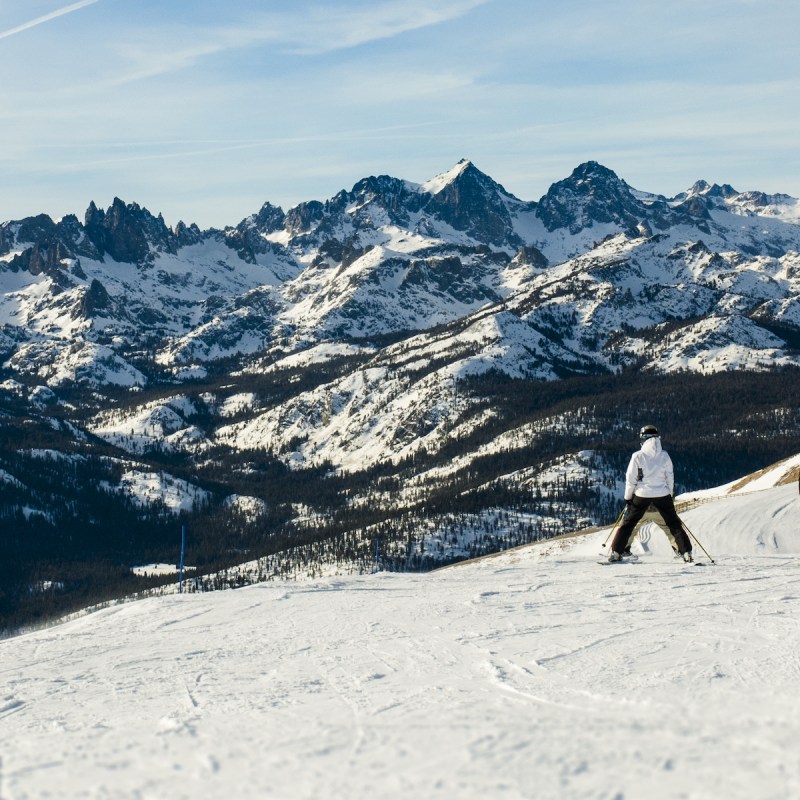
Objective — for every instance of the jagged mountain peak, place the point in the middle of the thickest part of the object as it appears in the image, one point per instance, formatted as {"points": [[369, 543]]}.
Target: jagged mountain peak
{"points": [[470, 201], [592, 178], [699, 187], [438, 182], [463, 173], [387, 255], [379, 184], [40, 229], [127, 231], [703, 188], [396, 197], [269, 218], [594, 171], [592, 194], [118, 207]]}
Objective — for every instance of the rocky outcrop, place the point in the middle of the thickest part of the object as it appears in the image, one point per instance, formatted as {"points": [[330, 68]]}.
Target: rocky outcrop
{"points": [[128, 232], [472, 202], [593, 194], [94, 299], [248, 237]]}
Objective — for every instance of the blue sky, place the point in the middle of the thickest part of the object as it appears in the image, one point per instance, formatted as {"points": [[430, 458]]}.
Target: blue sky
{"points": [[205, 110]]}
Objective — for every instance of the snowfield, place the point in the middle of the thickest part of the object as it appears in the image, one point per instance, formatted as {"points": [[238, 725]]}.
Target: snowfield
{"points": [[532, 674]]}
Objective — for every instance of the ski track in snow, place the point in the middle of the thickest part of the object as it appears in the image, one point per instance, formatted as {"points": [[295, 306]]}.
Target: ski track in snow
{"points": [[532, 674]]}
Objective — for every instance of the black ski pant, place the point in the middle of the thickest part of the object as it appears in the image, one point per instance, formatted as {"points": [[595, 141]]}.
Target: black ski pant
{"points": [[636, 510]]}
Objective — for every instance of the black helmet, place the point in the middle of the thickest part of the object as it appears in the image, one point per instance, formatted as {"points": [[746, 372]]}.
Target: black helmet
{"points": [[648, 432]]}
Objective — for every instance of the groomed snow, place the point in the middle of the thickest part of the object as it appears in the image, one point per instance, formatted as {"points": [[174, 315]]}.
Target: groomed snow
{"points": [[533, 674]]}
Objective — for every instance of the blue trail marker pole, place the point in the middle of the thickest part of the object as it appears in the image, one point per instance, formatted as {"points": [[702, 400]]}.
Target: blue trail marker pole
{"points": [[183, 550]]}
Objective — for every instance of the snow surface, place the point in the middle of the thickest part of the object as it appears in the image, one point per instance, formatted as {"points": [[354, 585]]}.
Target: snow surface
{"points": [[144, 488], [438, 182], [531, 674], [156, 569]]}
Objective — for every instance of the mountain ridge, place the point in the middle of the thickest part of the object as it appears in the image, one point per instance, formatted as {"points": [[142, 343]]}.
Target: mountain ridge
{"points": [[466, 210], [442, 266]]}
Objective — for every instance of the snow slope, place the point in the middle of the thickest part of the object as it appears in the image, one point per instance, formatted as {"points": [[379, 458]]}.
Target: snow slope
{"points": [[532, 674]]}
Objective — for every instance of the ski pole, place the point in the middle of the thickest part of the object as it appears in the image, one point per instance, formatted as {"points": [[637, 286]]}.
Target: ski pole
{"points": [[614, 526], [697, 542]]}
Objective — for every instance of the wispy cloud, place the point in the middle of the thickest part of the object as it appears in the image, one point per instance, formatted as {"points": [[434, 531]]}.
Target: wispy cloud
{"points": [[47, 17], [325, 30], [304, 32], [170, 150]]}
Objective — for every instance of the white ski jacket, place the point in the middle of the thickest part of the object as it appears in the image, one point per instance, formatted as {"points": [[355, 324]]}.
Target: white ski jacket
{"points": [[650, 472]]}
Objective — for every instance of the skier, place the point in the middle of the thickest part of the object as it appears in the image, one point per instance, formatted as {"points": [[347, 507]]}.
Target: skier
{"points": [[649, 480]]}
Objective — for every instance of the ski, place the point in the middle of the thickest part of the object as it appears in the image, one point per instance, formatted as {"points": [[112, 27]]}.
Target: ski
{"points": [[635, 560]]}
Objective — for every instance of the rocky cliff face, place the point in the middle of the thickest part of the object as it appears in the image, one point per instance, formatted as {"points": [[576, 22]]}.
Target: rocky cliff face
{"points": [[475, 204], [128, 233]]}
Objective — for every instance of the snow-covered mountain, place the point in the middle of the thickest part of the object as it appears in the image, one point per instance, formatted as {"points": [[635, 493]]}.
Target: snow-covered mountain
{"points": [[123, 299], [535, 673], [456, 274], [389, 360]]}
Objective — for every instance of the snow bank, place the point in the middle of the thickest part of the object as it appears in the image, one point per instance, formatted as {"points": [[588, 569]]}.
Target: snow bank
{"points": [[752, 524]]}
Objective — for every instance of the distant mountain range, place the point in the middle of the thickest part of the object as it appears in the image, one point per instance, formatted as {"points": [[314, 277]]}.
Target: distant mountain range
{"points": [[592, 276], [351, 334]]}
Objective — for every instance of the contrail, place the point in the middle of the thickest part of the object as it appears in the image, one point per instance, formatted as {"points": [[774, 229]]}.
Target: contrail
{"points": [[47, 17]]}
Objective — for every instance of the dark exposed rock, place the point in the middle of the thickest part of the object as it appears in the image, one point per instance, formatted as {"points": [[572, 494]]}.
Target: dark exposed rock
{"points": [[6, 239], [150, 317], [77, 270], [187, 234], [450, 276], [247, 238], [533, 256], [127, 232], [39, 229], [391, 195], [472, 202], [726, 191], [301, 218], [269, 218], [344, 253], [94, 299], [41, 258], [591, 194], [695, 207]]}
